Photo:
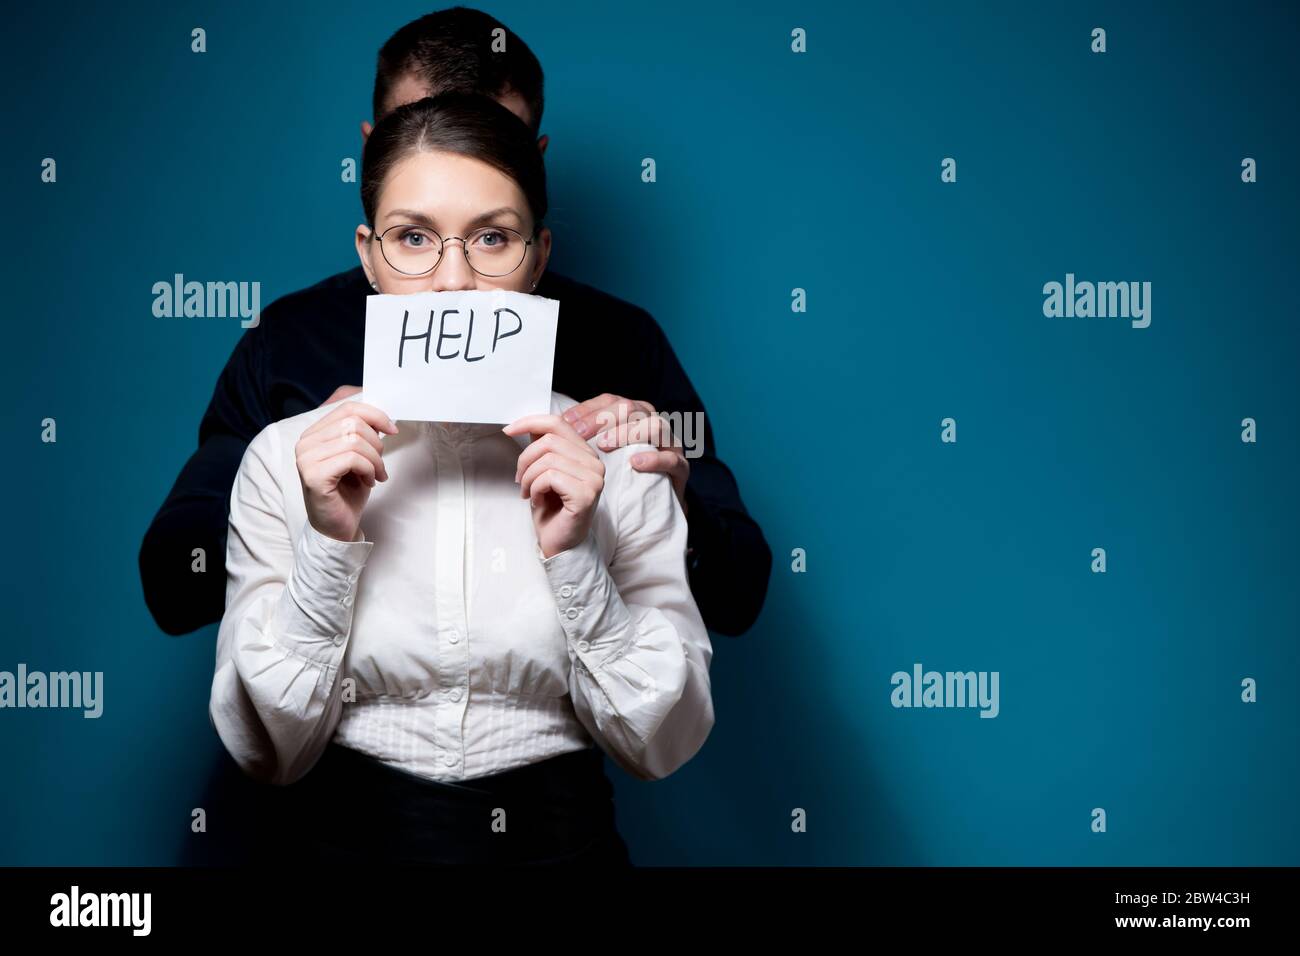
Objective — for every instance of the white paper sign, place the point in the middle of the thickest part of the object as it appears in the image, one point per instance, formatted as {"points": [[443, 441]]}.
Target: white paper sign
{"points": [[483, 355]]}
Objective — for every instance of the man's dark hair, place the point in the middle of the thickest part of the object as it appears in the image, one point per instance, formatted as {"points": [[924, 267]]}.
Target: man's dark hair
{"points": [[468, 124], [451, 52]]}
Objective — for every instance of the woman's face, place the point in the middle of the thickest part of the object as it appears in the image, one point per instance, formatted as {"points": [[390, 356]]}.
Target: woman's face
{"points": [[451, 195]]}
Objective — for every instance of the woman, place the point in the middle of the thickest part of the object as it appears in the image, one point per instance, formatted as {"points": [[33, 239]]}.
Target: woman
{"points": [[430, 634]]}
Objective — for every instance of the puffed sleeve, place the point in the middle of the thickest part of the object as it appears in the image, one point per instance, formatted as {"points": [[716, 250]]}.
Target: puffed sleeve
{"points": [[639, 650], [276, 697]]}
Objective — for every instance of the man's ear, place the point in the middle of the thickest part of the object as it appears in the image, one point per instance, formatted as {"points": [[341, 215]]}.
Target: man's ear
{"points": [[366, 130], [542, 141], [364, 247]]}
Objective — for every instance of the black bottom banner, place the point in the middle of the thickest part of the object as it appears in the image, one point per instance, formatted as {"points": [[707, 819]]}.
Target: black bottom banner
{"points": [[335, 904]]}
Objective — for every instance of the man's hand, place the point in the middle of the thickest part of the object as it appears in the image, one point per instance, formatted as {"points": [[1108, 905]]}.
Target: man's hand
{"points": [[617, 421], [563, 477], [340, 393]]}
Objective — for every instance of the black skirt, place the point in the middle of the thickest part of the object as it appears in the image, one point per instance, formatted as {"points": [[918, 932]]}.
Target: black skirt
{"points": [[351, 808]]}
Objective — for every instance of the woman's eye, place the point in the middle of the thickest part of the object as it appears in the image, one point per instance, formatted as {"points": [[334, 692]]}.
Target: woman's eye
{"points": [[492, 239], [415, 240]]}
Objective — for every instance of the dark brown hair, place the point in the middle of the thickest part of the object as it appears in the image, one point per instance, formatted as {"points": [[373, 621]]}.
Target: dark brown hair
{"points": [[466, 124], [450, 51]]}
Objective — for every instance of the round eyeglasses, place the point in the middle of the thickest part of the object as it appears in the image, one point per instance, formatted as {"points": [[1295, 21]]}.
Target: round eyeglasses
{"points": [[415, 250]]}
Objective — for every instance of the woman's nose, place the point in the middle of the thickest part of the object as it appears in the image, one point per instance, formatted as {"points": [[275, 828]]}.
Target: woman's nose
{"points": [[453, 273]]}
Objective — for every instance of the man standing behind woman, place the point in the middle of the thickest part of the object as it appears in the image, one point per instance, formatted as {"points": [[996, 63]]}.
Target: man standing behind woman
{"points": [[308, 350]]}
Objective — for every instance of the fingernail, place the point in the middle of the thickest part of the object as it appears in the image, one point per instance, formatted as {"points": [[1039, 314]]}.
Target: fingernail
{"points": [[582, 428], [640, 459], [570, 415]]}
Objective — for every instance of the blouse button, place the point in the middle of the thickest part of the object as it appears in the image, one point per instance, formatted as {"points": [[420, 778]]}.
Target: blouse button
{"points": [[338, 639], [572, 613], [584, 646], [449, 760], [455, 694], [347, 600], [566, 591], [453, 636]]}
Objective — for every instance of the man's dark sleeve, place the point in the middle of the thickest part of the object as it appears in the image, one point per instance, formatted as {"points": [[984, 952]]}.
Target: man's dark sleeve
{"points": [[197, 510], [727, 556]]}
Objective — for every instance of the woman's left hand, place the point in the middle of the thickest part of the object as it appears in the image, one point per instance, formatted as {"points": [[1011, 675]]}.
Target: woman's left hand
{"points": [[563, 476]]}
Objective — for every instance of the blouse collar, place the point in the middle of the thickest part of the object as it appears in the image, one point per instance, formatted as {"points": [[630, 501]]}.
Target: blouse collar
{"points": [[455, 432]]}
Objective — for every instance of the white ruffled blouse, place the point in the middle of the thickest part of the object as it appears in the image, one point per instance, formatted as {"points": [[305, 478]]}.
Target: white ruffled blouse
{"points": [[442, 642]]}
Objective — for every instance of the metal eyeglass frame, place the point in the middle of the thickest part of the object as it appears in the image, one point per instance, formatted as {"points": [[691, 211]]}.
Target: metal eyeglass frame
{"points": [[442, 249]]}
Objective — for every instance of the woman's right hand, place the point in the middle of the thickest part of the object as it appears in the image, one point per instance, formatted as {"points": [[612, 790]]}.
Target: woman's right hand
{"points": [[340, 457]]}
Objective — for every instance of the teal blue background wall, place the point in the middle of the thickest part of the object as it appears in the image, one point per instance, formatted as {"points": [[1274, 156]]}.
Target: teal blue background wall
{"points": [[775, 171]]}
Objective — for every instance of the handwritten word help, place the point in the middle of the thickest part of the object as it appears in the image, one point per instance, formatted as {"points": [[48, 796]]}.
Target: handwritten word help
{"points": [[475, 356]]}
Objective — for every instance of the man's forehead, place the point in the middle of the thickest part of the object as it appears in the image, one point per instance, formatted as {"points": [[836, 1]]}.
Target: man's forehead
{"points": [[407, 89], [411, 88]]}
